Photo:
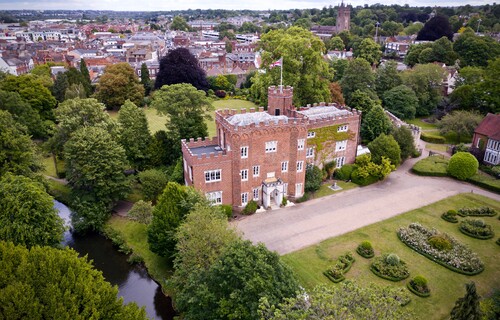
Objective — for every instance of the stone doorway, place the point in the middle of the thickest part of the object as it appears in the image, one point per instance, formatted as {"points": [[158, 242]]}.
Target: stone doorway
{"points": [[272, 192]]}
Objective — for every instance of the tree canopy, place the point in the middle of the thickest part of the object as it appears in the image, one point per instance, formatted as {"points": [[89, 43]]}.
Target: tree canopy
{"points": [[118, 84], [368, 50], [467, 307], [303, 66], [42, 282], [474, 50], [376, 122], [180, 66], [387, 77], [23, 113], [401, 101], [179, 23], [404, 138], [27, 214], [435, 28], [385, 146], [358, 76], [462, 123]]}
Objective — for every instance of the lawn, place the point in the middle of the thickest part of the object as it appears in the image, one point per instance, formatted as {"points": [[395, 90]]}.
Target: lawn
{"points": [[436, 147], [325, 190], [155, 121], [136, 237], [446, 286], [426, 126], [435, 165], [227, 104]]}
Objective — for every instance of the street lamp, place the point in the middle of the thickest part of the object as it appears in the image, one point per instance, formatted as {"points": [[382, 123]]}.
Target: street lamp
{"points": [[478, 24]]}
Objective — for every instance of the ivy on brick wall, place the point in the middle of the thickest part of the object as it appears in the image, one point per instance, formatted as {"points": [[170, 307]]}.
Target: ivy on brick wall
{"points": [[325, 139]]}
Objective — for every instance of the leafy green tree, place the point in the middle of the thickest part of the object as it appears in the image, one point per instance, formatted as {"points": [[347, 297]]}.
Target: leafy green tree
{"points": [[134, 134], [442, 51], [335, 43], [75, 91], [164, 149], [27, 214], [462, 165], [358, 76], [42, 282], [88, 214], [385, 146], [368, 50], [467, 307], [303, 66], [204, 225], [404, 138], [490, 87], [387, 77], [401, 101], [23, 113], [173, 206], [141, 211], [413, 28], [345, 301], [17, 152], [86, 82], [145, 79], [233, 285], [392, 28], [461, 123], [187, 109], [413, 55], [376, 122], [363, 101], [153, 181], [303, 23], [249, 27], [95, 164], [118, 84], [179, 23], [314, 177], [426, 81], [60, 86], [476, 50], [338, 68], [32, 90], [74, 114]]}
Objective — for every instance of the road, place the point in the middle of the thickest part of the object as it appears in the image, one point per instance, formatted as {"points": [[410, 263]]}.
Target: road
{"points": [[292, 228]]}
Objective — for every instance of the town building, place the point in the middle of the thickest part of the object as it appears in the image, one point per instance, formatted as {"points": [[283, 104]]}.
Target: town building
{"points": [[263, 155], [486, 139], [343, 23]]}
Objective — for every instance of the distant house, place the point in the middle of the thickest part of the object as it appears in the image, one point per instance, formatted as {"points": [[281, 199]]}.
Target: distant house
{"points": [[487, 139]]}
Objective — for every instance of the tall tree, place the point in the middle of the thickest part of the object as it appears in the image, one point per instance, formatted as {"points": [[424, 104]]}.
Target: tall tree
{"points": [[303, 66], [86, 82], [385, 146], [179, 23], [467, 307], [404, 138], [187, 109], [134, 134], [401, 101], [336, 93], [363, 101], [476, 50], [387, 77], [368, 50], [118, 84], [335, 43], [27, 214], [23, 113], [461, 123], [42, 282], [17, 151], [358, 76], [60, 85], [376, 122], [180, 66], [435, 28], [145, 79]]}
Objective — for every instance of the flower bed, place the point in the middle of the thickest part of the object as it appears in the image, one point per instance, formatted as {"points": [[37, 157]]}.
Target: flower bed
{"points": [[418, 286], [477, 212], [390, 267], [365, 250], [341, 266], [459, 258], [450, 216], [476, 228]]}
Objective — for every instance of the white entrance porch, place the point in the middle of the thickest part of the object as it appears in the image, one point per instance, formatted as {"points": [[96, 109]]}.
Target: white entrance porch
{"points": [[273, 191]]}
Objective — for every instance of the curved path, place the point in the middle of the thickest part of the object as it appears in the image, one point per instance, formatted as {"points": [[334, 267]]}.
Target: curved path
{"points": [[296, 227]]}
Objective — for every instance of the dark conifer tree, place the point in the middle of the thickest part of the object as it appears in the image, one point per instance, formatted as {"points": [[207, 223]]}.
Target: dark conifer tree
{"points": [[87, 83], [467, 308], [180, 66], [145, 79]]}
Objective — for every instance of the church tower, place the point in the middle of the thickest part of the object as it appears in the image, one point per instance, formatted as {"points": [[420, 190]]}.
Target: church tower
{"points": [[343, 17]]}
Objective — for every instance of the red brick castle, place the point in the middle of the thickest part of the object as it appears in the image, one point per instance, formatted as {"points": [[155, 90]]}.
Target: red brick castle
{"points": [[262, 155]]}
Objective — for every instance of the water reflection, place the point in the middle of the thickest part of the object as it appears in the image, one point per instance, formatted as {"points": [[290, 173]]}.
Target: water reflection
{"points": [[134, 284]]}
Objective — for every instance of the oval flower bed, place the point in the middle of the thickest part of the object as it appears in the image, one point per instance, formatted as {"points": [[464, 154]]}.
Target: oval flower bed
{"points": [[341, 266], [365, 249], [477, 212], [457, 257], [418, 286], [390, 267], [450, 216], [476, 228]]}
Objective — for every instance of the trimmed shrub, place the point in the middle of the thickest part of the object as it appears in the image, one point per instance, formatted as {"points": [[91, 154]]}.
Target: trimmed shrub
{"points": [[345, 172], [390, 267], [284, 202], [304, 198], [392, 259], [365, 249], [363, 181], [431, 138], [462, 165], [227, 209], [477, 212], [450, 216], [476, 228], [418, 286], [440, 243], [487, 183], [141, 211], [250, 208], [435, 166]]}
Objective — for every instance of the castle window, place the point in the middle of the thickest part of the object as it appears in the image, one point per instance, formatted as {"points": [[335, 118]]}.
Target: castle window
{"points": [[342, 128], [284, 166], [213, 175], [340, 145], [271, 146], [256, 171], [340, 161], [244, 152], [310, 153], [256, 194], [244, 198], [214, 197], [298, 189], [300, 166], [244, 175], [300, 144], [311, 134]]}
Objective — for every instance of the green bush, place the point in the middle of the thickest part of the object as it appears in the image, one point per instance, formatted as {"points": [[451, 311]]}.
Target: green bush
{"points": [[450, 216], [363, 181], [435, 166], [394, 272], [250, 208], [418, 286], [488, 183], [476, 228], [227, 209], [341, 266], [284, 201], [432, 138], [117, 239], [344, 173], [314, 177], [462, 165], [365, 249], [440, 243], [134, 258], [392, 259], [304, 198]]}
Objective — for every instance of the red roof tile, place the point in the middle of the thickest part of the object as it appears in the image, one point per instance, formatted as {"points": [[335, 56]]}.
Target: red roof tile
{"points": [[490, 126]]}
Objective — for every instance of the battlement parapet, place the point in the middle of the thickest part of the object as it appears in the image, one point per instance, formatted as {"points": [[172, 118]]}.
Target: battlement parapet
{"points": [[280, 90]]}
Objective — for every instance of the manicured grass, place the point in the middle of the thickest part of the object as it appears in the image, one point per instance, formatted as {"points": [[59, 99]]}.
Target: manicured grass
{"points": [[432, 166], [436, 147], [136, 237], [422, 124], [156, 122], [446, 286], [59, 191], [486, 181], [324, 190]]}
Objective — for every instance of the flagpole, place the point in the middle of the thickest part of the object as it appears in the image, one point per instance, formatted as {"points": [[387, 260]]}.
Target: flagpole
{"points": [[281, 76]]}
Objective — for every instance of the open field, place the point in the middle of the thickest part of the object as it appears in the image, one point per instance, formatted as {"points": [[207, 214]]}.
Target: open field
{"points": [[446, 286]]}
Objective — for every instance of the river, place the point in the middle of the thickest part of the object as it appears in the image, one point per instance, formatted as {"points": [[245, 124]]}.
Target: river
{"points": [[134, 284]]}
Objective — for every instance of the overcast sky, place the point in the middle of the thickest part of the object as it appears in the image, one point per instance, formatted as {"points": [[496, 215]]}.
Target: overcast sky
{"points": [[165, 5]]}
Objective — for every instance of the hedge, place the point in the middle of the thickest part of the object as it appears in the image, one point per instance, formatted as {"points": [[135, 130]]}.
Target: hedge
{"points": [[431, 138], [435, 166], [367, 256], [420, 294], [348, 265], [492, 185], [334, 280]]}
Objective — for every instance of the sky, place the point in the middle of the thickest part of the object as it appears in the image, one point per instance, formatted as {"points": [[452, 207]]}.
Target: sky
{"points": [[166, 5]]}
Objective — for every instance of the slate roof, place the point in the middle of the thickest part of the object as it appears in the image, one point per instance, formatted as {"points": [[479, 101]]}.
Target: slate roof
{"points": [[490, 126]]}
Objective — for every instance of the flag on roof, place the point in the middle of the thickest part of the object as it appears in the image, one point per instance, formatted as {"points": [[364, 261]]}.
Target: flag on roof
{"points": [[277, 63]]}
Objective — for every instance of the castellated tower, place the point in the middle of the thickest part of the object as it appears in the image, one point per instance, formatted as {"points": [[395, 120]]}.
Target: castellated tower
{"points": [[343, 17], [279, 100]]}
